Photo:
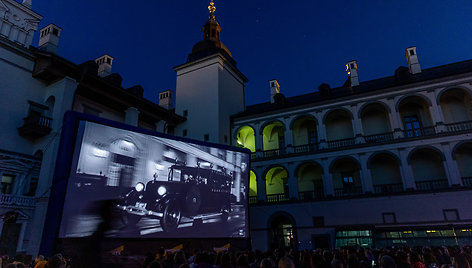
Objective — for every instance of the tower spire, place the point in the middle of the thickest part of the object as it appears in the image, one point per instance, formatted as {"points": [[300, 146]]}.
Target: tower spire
{"points": [[212, 9]]}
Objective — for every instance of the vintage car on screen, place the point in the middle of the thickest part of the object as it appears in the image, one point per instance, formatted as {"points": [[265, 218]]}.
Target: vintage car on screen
{"points": [[192, 192]]}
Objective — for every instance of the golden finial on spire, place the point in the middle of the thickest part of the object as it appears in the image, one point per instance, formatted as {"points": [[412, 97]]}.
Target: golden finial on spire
{"points": [[212, 9]]}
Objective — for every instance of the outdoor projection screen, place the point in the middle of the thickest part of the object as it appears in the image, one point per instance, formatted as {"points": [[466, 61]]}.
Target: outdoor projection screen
{"points": [[162, 187]]}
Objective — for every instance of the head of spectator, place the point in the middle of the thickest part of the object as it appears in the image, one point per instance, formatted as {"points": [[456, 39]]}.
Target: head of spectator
{"points": [[460, 261], [154, 264], [286, 262], [387, 261], [56, 261]]}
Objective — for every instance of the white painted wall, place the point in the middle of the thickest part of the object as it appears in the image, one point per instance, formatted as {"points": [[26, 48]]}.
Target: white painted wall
{"points": [[211, 91]]}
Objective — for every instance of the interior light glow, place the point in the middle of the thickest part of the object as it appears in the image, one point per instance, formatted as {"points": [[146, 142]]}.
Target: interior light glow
{"points": [[99, 152]]}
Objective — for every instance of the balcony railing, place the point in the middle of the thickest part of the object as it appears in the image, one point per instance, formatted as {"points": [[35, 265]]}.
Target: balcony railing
{"points": [[388, 188], [273, 153], [252, 199], [304, 148], [432, 185], [459, 126], [348, 191], [274, 198], [370, 139], [35, 126], [341, 143], [419, 132], [467, 181], [13, 200], [317, 194], [356, 192], [377, 138]]}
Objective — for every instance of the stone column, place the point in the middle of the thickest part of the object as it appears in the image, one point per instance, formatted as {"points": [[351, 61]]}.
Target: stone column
{"points": [[436, 113], [321, 131], [357, 125], [292, 181], [261, 184], [327, 178], [406, 171], [258, 140], [366, 176], [450, 166], [288, 135], [395, 120]]}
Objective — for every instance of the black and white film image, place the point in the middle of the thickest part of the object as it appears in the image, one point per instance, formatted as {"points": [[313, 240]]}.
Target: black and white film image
{"points": [[163, 188]]}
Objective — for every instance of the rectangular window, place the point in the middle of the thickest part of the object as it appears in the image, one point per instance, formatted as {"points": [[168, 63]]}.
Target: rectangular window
{"points": [[185, 113], [412, 52], [7, 184], [184, 133], [206, 137], [412, 126], [348, 179], [311, 137], [32, 187]]}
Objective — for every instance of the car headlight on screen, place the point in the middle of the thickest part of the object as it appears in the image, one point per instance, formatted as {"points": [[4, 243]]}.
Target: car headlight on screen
{"points": [[161, 190], [139, 187]]}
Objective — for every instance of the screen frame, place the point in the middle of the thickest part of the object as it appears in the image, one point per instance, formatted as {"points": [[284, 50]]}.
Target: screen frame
{"points": [[64, 163]]}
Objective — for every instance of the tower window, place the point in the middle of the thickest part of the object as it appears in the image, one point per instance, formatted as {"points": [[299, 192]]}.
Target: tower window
{"points": [[108, 60], [206, 137], [213, 33], [412, 52], [55, 32]]}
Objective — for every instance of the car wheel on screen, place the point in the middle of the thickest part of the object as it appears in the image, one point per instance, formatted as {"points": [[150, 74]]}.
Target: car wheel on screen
{"points": [[171, 219], [130, 219]]}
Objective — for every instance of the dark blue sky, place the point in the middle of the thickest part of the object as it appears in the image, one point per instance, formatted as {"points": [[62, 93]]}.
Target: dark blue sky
{"points": [[301, 43]]}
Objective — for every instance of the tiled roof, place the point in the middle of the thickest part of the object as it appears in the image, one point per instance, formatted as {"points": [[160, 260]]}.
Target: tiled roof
{"points": [[401, 77]]}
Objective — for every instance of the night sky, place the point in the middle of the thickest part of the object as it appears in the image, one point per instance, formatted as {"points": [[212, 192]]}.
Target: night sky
{"points": [[301, 43]]}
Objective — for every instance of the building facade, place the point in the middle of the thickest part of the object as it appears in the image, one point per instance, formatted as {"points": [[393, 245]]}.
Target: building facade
{"points": [[376, 163], [371, 163], [38, 87]]}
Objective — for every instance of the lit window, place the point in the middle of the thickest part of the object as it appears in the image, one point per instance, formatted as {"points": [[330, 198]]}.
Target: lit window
{"points": [[7, 184]]}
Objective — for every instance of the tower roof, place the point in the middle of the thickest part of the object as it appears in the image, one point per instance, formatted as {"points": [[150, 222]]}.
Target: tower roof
{"points": [[211, 43]]}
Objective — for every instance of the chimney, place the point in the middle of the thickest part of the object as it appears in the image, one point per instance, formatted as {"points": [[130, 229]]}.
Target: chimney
{"points": [[351, 68], [27, 3], [104, 65], [165, 99], [49, 38], [412, 59], [274, 89]]}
